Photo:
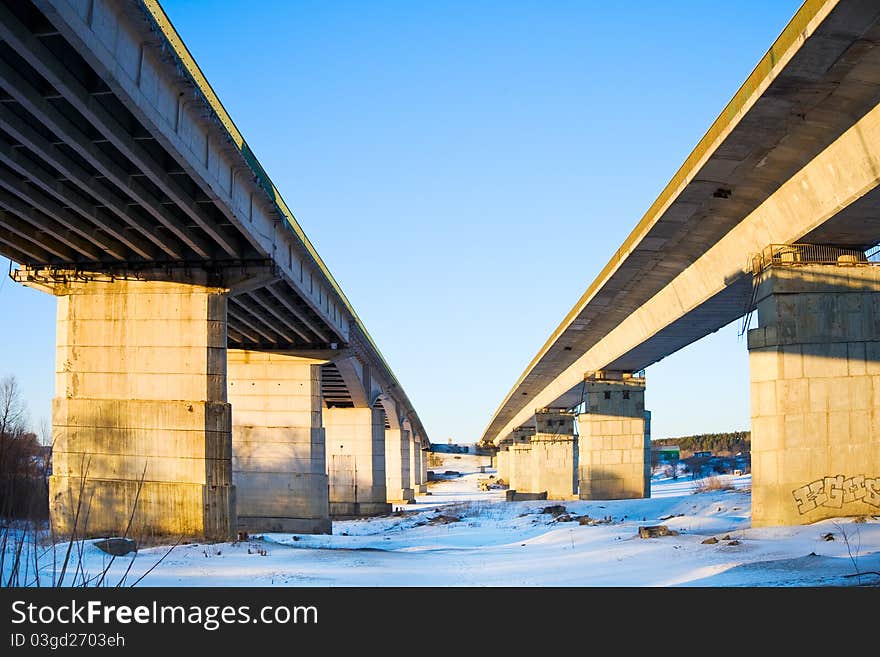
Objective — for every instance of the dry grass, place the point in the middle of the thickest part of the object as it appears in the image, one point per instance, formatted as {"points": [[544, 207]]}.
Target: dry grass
{"points": [[711, 483]]}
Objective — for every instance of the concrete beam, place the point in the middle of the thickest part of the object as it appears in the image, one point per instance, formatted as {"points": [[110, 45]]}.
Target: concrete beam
{"points": [[352, 372], [267, 307], [298, 313], [25, 248], [49, 226], [256, 311], [28, 96], [84, 181], [250, 322], [37, 198], [29, 232]]}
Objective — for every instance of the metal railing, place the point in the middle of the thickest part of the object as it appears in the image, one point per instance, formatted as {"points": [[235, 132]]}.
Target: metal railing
{"points": [[792, 255]]}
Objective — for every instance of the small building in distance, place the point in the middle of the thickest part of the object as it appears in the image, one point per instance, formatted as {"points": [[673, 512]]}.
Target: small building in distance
{"points": [[665, 453]]}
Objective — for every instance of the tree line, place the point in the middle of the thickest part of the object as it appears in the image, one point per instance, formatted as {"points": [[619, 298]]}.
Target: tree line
{"points": [[727, 443]]}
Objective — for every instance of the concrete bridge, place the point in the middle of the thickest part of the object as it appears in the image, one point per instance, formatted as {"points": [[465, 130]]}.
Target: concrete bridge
{"points": [[211, 374], [793, 159]]}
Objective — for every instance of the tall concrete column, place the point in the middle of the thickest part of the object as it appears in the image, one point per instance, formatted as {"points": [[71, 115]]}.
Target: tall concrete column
{"points": [[553, 455], [502, 461], [521, 459], [415, 467], [140, 410], [614, 452], [397, 475], [423, 467], [278, 452], [356, 461], [814, 364]]}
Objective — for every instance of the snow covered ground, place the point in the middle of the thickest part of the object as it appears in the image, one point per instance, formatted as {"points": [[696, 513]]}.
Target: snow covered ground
{"points": [[459, 535]]}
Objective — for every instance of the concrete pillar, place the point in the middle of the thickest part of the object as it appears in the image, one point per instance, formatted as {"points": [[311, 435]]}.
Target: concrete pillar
{"points": [[520, 461], [553, 455], [356, 461], [423, 466], [397, 475], [278, 452], [521, 467], [141, 395], [614, 453], [415, 467], [502, 459], [814, 364]]}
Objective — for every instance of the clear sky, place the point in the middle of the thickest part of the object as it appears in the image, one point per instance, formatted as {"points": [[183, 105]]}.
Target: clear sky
{"points": [[465, 169]]}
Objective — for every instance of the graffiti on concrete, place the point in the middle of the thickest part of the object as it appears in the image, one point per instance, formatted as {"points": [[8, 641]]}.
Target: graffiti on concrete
{"points": [[834, 492]]}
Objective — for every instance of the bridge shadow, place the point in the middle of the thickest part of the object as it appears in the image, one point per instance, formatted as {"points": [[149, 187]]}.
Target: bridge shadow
{"points": [[621, 482]]}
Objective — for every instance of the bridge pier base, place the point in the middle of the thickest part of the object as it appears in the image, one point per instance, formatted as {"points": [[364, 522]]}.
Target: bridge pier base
{"points": [[356, 461], [140, 422], [814, 364], [614, 450], [278, 451], [397, 474]]}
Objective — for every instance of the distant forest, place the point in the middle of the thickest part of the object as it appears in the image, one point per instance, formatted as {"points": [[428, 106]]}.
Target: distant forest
{"points": [[720, 444]]}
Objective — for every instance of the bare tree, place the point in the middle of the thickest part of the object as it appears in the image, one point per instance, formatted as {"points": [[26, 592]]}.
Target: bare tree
{"points": [[21, 466], [13, 412]]}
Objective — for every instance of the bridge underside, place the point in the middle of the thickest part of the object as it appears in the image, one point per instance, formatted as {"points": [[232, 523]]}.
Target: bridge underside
{"points": [[87, 187], [774, 210], [803, 96], [185, 289]]}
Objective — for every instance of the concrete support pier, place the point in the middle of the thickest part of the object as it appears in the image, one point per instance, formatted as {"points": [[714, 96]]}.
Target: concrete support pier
{"points": [[502, 463], [415, 467], [278, 463], [554, 456], [614, 451], [397, 461], [140, 410], [356, 461], [520, 460], [423, 466], [814, 364]]}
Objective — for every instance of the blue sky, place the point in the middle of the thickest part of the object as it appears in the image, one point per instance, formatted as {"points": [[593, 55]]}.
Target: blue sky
{"points": [[465, 169]]}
